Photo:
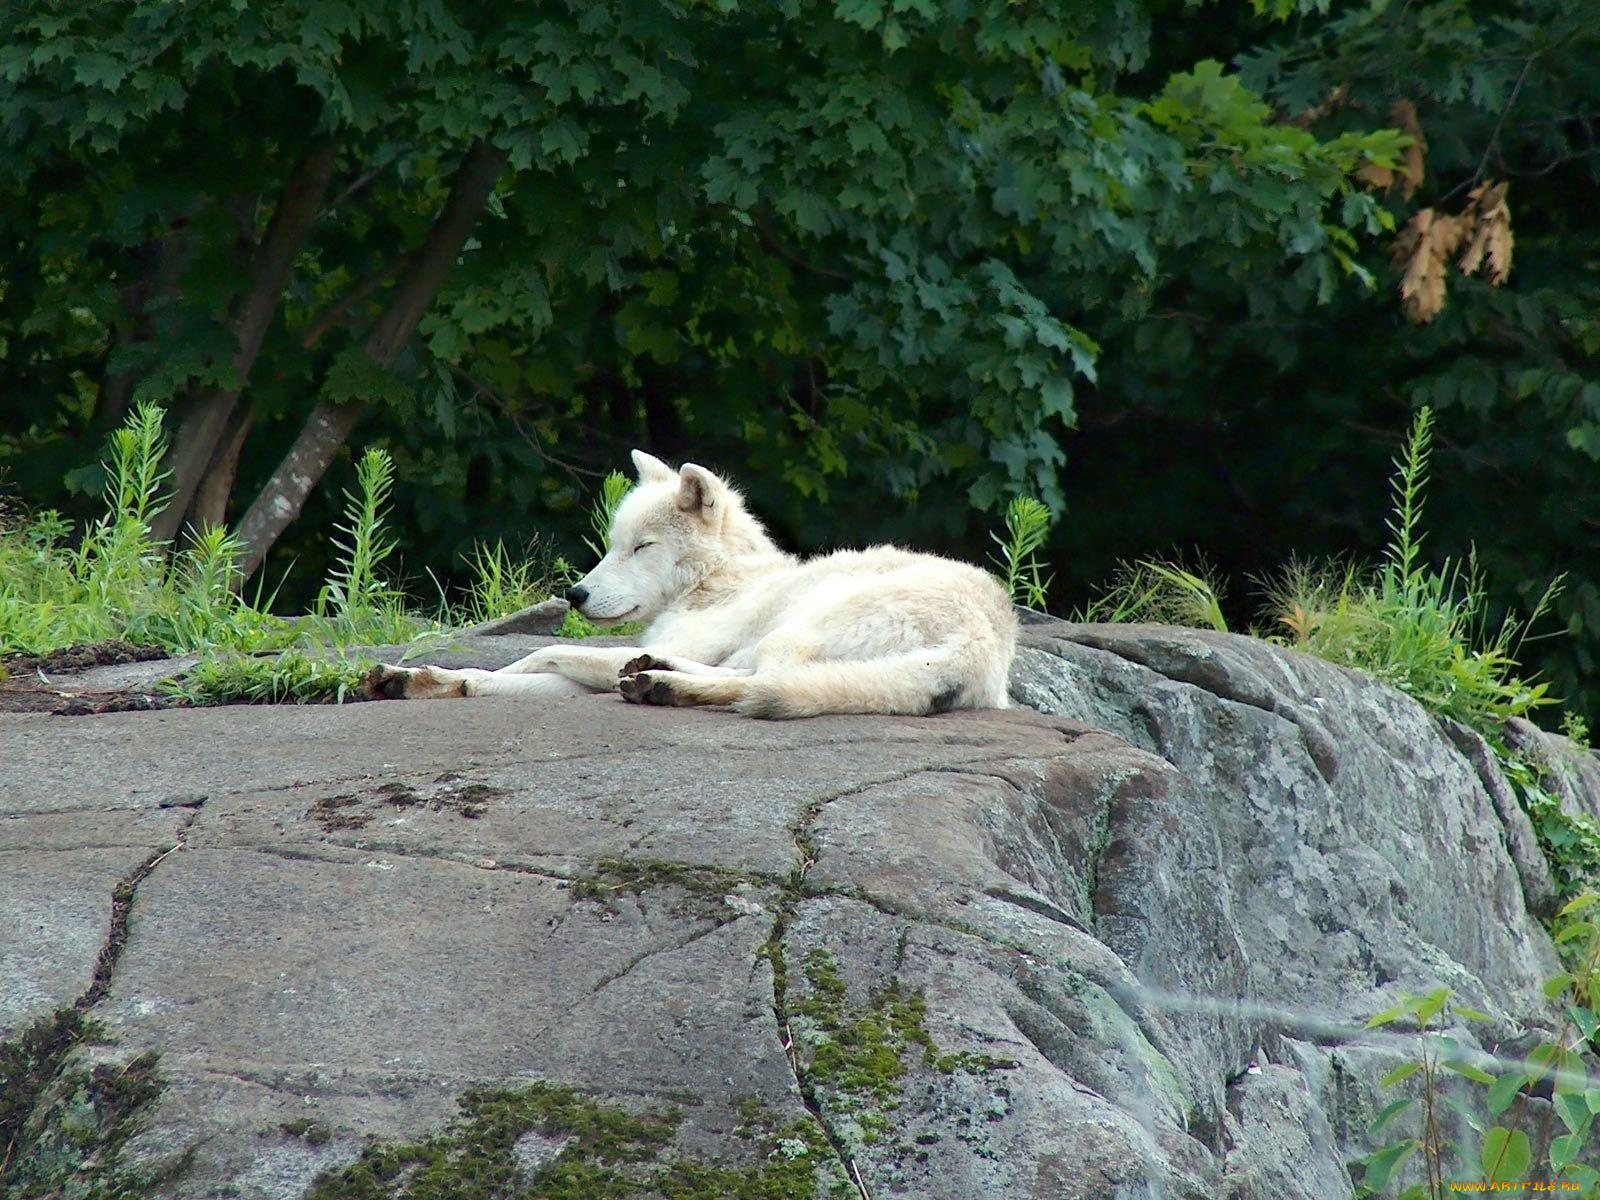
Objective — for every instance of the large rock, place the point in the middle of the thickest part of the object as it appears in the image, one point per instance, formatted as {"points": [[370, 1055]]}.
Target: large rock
{"points": [[1119, 945]]}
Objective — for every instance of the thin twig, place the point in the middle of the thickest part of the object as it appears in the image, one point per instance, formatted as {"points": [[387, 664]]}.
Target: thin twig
{"points": [[508, 410], [1494, 135]]}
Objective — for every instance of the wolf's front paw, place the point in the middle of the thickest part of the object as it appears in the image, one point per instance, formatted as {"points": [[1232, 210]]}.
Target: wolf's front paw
{"points": [[647, 688], [643, 663], [413, 683]]}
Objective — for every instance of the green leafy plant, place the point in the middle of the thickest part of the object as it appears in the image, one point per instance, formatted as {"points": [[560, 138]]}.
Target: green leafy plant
{"points": [[613, 488], [292, 677], [1555, 1067], [1021, 573], [1422, 628], [354, 589], [121, 582], [1569, 841]]}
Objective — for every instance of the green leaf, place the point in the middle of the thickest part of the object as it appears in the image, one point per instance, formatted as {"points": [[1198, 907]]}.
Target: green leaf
{"points": [[1585, 1020], [1575, 930], [1468, 1071], [1505, 1155], [1541, 1058], [1587, 900], [1385, 1017], [1471, 1118], [1564, 1149], [1402, 1072], [1504, 1091], [1431, 1005], [1587, 1178], [1390, 1111], [1471, 1014], [1382, 1165], [1557, 984], [1573, 1109]]}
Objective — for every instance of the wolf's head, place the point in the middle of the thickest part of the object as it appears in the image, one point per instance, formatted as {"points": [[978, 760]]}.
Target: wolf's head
{"points": [[673, 530]]}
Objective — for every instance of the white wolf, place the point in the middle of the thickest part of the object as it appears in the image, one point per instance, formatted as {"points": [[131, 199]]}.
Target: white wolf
{"points": [[735, 621]]}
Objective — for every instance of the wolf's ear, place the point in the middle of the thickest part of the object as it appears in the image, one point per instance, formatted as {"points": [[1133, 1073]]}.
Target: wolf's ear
{"points": [[650, 468], [700, 492]]}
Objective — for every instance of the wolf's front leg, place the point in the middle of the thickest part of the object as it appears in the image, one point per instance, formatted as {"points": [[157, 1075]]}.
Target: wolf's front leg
{"points": [[384, 682], [441, 683], [595, 667]]}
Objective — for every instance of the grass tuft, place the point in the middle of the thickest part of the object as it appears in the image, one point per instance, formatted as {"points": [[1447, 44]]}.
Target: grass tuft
{"points": [[1423, 629], [1162, 593], [292, 677]]}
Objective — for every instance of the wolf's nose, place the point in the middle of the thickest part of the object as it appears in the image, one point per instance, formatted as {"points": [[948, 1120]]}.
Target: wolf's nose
{"points": [[577, 595]]}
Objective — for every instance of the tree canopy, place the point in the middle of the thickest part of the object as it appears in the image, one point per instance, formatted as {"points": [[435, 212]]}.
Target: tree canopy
{"points": [[890, 262]]}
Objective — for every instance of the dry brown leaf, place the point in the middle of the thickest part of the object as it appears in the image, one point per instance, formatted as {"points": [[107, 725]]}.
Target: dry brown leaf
{"points": [[1425, 246], [1491, 240], [1413, 166], [1378, 178]]}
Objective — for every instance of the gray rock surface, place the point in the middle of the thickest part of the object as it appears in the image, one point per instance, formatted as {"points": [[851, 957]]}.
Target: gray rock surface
{"points": [[1118, 945], [544, 617]]}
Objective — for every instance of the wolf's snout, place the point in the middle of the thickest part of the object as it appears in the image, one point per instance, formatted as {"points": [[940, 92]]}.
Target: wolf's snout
{"points": [[577, 596]]}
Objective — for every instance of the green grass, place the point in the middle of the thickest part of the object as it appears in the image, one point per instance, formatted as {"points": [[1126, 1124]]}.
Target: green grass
{"points": [[1425, 628], [1161, 593], [119, 582], [501, 583], [292, 677]]}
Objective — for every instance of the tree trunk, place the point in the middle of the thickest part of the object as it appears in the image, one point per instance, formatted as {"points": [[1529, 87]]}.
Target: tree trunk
{"points": [[201, 435], [210, 505], [330, 425], [152, 270]]}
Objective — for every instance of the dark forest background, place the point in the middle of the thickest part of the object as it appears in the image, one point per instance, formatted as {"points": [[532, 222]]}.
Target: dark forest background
{"points": [[1183, 271]]}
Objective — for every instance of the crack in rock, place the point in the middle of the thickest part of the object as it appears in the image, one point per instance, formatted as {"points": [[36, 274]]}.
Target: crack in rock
{"points": [[68, 1026]]}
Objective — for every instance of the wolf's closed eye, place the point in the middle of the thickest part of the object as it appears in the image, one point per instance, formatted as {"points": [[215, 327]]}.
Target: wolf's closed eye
{"points": [[641, 546]]}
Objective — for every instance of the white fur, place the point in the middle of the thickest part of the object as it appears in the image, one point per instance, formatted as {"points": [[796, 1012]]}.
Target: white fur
{"points": [[733, 620]]}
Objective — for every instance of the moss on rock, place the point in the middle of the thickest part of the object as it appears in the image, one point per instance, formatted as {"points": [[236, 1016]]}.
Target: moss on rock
{"points": [[70, 1145], [602, 1153]]}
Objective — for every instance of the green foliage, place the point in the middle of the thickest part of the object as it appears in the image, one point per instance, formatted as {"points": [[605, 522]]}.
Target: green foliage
{"points": [[498, 584], [861, 250], [1419, 627], [354, 592], [613, 488], [1021, 572], [1569, 841], [290, 677], [1159, 592], [1496, 1153], [119, 584]]}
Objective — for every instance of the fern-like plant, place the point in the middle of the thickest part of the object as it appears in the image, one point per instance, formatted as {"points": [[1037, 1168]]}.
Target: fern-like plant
{"points": [[354, 589], [1021, 573]]}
